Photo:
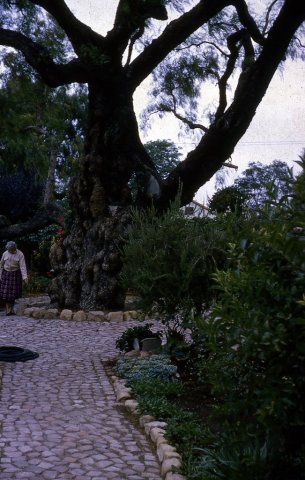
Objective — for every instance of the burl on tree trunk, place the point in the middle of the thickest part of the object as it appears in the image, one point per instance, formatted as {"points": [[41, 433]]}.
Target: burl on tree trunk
{"points": [[87, 264]]}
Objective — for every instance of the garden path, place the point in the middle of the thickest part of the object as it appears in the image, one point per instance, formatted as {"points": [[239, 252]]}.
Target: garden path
{"points": [[59, 419]]}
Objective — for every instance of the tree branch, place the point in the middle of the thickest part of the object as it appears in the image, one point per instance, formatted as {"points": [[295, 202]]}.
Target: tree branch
{"points": [[180, 29], [299, 42], [230, 165], [40, 59], [247, 21], [78, 33], [188, 122], [264, 30], [218, 144], [131, 16], [222, 84], [174, 34], [133, 40], [204, 42], [44, 217]]}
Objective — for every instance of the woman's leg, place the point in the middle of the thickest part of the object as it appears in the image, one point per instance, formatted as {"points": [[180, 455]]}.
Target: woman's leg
{"points": [[9, 308]]}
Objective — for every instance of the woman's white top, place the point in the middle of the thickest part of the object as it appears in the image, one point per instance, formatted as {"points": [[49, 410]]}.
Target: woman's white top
{"points": [[12, 262]]}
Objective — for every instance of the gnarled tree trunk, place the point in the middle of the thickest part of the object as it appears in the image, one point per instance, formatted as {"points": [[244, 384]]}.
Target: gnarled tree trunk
{"points": [[89, 266]]}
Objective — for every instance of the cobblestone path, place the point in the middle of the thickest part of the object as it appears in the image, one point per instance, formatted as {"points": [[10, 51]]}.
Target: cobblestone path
{"points": [[58, 414]]}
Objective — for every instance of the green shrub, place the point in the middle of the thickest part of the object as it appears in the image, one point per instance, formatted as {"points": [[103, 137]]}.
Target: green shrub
{"points": [[37, 284], [233, 461], [256, 337], [125, 342], [168, 259], [154, 384], [188, 433], [160, 408]]}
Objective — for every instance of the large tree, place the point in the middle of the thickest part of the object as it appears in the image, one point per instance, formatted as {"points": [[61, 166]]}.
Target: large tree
{"points": [[204, 40]]}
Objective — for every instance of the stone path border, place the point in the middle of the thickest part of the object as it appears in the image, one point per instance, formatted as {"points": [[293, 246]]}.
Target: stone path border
{"points": [[155, 430], [38, 307]]}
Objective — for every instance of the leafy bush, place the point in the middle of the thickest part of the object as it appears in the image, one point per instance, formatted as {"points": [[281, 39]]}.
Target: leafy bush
{"points": [[256, 336], [252, 344], [37, 284], [159, 407], [187, 432], [233, 460], [168, 261], [158, 387], [125, 342]]}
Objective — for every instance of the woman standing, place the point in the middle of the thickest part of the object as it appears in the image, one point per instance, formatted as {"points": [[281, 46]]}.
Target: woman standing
{"points": [[12, 272]]}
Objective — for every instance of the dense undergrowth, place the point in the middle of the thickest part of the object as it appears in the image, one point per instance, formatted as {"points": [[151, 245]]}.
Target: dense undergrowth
{"points": [[235, 285]]}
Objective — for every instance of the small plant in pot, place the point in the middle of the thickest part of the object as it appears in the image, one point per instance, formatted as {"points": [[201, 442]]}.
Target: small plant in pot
{"points": [[134, 335]]}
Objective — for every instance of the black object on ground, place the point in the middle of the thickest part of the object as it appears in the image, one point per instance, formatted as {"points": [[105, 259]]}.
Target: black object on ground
{"points": [[16, 354]]}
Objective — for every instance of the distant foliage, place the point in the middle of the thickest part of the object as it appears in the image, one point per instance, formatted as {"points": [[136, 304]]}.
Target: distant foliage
{"points": [[227, 200], [258, 183], [165, 155], [20, 195]]}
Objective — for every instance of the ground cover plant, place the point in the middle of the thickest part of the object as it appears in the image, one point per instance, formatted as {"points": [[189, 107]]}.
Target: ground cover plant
{"points": [[156, 386]]}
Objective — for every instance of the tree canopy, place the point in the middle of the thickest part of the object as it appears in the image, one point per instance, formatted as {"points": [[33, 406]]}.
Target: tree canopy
{"points": [[203, 41], [258, 180], [257, 184]]}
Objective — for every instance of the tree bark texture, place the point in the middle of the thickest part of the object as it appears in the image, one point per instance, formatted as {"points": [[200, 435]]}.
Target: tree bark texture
{"points": [[87, 264]]}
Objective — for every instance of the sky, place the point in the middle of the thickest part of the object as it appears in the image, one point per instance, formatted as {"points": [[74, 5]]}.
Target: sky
{"points": [[277, 132]]}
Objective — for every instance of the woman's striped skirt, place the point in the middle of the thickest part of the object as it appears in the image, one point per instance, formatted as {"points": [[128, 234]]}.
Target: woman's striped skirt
{"points": [[10, 285]]}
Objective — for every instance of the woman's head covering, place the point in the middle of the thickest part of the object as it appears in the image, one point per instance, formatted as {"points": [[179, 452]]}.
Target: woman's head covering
{"points": [[11, 244]]}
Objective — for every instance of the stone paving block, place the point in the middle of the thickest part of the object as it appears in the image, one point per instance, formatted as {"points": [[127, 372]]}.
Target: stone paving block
{"points": [[19, 309], [131, 405], [28, 311], [164, 450], [168, 465], [66, 314], [50, 313], [174, 476], [38, 312], [97, 315], [80, 315], [115, 316], [156, 433], [146, 419]]}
